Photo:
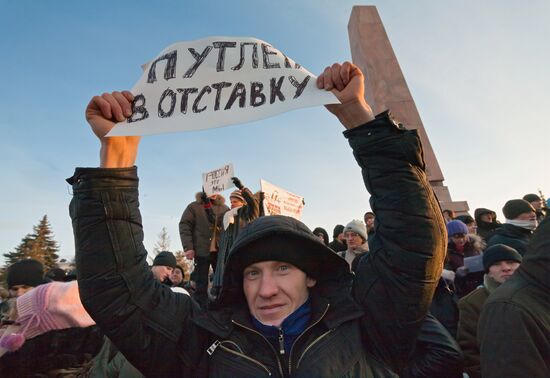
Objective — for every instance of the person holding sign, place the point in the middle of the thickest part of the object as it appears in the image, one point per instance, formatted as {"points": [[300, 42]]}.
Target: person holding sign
{"points": [[289, 306]]}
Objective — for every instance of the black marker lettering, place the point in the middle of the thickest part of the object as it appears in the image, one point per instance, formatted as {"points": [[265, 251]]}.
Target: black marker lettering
{"points": [[199, 59], [138, 108], [299, 86], [254, 55], [218, 87], [221, 54], [276, 89], [204, 90], [166, 93], [169, 70], [256, 92], [184, 97], [266, 52], [238, 91]]}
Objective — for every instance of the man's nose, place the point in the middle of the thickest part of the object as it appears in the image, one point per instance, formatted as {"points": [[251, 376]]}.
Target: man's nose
{"points": [[268, 286]]}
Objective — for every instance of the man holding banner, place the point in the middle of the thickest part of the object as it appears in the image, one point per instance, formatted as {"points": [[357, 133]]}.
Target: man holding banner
{"points": [[289, 305]]}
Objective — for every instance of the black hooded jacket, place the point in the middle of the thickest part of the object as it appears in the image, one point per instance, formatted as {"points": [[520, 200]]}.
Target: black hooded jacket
{"points": [[514, 326], [362, 326]]}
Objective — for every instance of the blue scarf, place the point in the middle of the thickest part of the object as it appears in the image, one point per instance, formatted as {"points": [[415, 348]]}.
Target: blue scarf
{"points": [[292, 326]]}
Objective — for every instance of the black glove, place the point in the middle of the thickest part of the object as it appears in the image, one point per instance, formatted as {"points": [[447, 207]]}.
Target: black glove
{"points": [[237, 183], [205, 200]]}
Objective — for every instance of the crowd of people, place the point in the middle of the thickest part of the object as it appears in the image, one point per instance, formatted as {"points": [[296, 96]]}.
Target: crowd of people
{"points": [[409, 290]]}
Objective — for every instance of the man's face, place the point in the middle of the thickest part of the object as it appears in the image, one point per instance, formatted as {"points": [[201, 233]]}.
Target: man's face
{"points": [[235, 202], [487, 217], [530, 216], [459, 239], [472, 228], [353, 240], [321, 236], [341, 237], [274, 290], [161, 272], [537, 204], [369, 221], [18, 290], [502, 270]]}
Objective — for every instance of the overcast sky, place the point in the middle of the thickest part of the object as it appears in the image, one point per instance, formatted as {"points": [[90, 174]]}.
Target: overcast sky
{"points": [[478, 72]]}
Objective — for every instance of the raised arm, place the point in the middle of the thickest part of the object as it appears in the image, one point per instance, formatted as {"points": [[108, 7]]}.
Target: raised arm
{"points": [[396, 281], [142, 317]]}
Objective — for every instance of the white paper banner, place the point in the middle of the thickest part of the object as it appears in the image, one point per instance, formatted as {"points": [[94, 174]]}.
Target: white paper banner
{"points": [[279, 201], [218, 180], [218, 81]]}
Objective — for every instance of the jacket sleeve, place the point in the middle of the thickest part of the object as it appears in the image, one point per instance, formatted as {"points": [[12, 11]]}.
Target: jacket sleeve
{"points": [[252, 207], [509, 339], [396, 281], [142, 317], [467, 337], [186, 226], [436, 353]]}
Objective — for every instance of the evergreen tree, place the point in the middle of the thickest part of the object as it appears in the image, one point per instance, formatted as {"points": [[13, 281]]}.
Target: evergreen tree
{"points": [[39, 245], [163, 242]]}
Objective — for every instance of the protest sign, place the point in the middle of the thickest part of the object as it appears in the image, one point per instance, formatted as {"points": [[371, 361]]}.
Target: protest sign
{"points": [[279, 201], [215, 82], [218, 180]]}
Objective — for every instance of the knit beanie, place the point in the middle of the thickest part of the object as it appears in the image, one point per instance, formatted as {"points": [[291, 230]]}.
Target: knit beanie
{"points": [[456, 227], [499, 252], [514, 208], [338, 229], [25, 272], [358, 227], [165, 258], [238, 195], [531, 197], [45, 308], [466, 219]]}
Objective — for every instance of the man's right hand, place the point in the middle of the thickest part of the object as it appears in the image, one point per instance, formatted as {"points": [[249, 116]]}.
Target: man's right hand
{"points": [[190, 254], [102, 113]]}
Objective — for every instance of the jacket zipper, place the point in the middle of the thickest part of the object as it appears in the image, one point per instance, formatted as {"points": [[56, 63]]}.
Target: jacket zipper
{"points": [[218, 343], [295, 341], [268, 343], [311, 345], [281, 342]]}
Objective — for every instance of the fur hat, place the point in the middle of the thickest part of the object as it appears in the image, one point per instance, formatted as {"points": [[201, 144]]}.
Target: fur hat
{"points": [[499, 252], [48, 307], [456, 227], [358, 227], [514, 208], [238, 195], [165, 258], [28, 272]]}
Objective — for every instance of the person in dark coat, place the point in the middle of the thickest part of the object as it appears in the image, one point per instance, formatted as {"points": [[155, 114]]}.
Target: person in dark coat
{"points": [[460, 245], [537, 204], [521, 221], [514, 327], [289, 305], [338, 242], [500, 263], [486, 221], [322, 234]]}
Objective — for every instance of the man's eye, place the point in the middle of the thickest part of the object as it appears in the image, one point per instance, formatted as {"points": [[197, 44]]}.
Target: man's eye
{"points": [[283, 268], [251, 273]]}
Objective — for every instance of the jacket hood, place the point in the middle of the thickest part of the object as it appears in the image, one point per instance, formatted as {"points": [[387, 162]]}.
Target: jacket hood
{"points": [[535, 266], [282, 238], [479, 212]]}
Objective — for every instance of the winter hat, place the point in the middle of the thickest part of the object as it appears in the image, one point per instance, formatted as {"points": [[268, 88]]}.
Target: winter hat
{"points": [[499, 252], [238, 195], [514, 208], [338, 229], [456, 227], [531, 197], [56, 274], [48, 307], [165, 258], [358, 227], [28, 272], [466, 219]]}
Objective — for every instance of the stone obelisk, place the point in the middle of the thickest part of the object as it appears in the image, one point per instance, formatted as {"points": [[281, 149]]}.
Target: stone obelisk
{"points": [[386, 88]]}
